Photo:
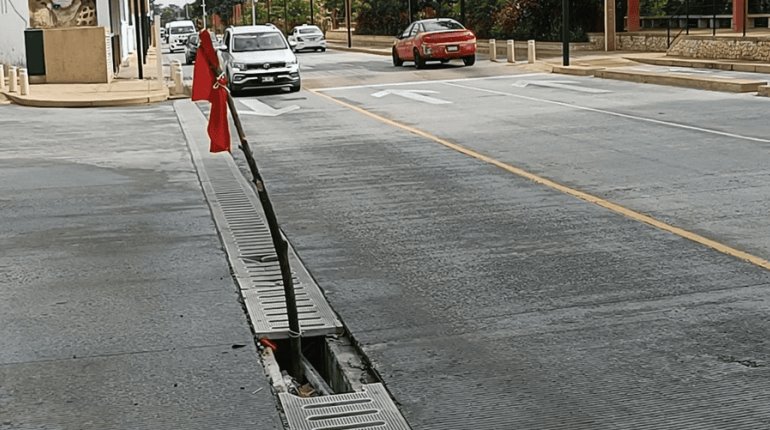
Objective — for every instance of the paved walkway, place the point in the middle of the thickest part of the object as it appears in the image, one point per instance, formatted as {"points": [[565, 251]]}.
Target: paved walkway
{"points": [[125, 89], [117, 306]]}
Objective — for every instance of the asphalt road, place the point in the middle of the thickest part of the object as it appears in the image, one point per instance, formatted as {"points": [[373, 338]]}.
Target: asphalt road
{"points": [[487, 240]]}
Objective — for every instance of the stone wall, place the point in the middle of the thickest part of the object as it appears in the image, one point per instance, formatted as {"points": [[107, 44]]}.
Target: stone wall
{"points": [[646, 42], [707, 47]]}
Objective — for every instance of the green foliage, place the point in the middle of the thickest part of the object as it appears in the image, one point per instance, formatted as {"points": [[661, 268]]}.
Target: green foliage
{"points": [[386, 17], [521, 19], [542, 19]]}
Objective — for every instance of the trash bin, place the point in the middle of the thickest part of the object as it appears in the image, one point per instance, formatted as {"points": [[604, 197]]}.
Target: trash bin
{"points": [[33, 46]]}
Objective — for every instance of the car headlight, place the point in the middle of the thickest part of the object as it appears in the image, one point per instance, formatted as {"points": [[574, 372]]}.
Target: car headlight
{"points": [[290, 63], [237, 66]]}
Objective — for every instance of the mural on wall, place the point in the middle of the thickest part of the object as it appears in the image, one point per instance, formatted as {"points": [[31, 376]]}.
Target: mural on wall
{"points": [[61, 13]]}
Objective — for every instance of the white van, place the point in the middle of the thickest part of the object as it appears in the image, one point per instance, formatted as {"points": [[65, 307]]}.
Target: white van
{"points": [[177, 33]]}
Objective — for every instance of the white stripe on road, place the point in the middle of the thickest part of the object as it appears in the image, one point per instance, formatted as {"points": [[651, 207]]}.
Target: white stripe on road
{"points": [[617, 114], [440, 81]]}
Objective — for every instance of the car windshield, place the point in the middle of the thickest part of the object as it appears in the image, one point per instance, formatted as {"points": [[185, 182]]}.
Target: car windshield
{"points": [[258, 42], [309, 30], [442, 25], [182, 30]]}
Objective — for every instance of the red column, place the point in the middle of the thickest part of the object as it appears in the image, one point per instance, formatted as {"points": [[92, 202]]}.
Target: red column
{"points": [[633, 15], [739, 15]]}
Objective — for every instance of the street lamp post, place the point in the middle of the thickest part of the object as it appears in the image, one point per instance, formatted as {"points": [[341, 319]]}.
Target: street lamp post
{"points": [[205, 21], [312, 21], [565, 31], [409, 6], [253, 12]]}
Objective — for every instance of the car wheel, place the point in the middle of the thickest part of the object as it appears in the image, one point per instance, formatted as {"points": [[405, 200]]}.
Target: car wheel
{"points": [[187, 60], [469, 60], [397, 61], [295, 87], [323, 49], [419, 63]]}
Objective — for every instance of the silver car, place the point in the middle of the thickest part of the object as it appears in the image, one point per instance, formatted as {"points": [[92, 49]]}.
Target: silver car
{"points": [[258, 56], [307, 37]]}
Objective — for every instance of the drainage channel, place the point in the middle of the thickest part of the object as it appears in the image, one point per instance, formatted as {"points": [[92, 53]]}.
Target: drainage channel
{"points": [[350, 396]]}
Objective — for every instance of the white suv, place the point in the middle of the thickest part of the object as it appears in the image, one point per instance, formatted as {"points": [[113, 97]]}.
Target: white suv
{"points": [[258, 56]]}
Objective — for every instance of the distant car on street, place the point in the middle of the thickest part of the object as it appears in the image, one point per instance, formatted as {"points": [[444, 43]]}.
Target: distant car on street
{"points": [[258, 56], [191, 48], [193, 43], [439, 39], [307, 37]]}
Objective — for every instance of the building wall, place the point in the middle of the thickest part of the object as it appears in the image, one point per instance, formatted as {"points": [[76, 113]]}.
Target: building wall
{"points": [[14, 18]]}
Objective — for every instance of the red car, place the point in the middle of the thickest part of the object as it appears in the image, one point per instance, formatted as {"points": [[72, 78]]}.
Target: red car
{"points": [[439, 39]]}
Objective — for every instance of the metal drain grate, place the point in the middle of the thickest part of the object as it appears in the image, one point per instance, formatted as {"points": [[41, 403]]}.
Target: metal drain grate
{"points": [[369, 409], [240, 220]]}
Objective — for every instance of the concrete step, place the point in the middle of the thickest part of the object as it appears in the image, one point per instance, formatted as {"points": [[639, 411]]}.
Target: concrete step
{"points": [[737, 66], [698, 82]]}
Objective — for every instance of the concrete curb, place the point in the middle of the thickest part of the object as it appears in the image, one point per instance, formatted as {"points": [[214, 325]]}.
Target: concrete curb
{"points": [[576, 70], [764, 91], [151, 97], [702, 64], [697, 82]]}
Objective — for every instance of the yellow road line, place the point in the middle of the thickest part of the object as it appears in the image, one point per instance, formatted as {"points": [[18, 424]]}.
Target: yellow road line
{"points": [[725, 249]]}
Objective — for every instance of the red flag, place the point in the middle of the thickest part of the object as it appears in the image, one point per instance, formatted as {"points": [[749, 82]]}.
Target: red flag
{"points": [[208, 86]]}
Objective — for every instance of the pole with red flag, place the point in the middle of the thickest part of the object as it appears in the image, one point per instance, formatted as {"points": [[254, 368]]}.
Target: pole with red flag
{"points": [[209, 83]]}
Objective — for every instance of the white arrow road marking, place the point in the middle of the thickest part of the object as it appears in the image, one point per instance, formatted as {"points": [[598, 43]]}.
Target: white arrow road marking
{"points": [[260, 109], [562, 85], [418, 95]]}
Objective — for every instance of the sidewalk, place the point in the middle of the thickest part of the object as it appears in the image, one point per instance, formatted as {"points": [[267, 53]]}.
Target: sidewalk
{"points": [[117, 306], [124, 90]]}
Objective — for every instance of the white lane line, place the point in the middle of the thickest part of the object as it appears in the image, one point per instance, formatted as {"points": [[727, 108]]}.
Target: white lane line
{"points": [[416, 95], [561, 85], [617, 114], [439, 81]]}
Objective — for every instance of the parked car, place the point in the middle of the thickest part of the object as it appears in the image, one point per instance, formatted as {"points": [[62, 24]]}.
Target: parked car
{"points": [[258, 56], [177, 34], [191, 48], [307, 37], [163, 34], [439, 39]]}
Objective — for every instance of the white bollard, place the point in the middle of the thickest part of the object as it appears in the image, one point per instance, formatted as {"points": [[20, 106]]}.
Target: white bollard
{"points": [[12, 79], [24, 82], [531, 51], [492, 50], [178, 82], [2, 77], [511, 52]]}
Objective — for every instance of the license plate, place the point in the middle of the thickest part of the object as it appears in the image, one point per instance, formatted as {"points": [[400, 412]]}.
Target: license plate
{"points": [[452, 48], [268, 79]]}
